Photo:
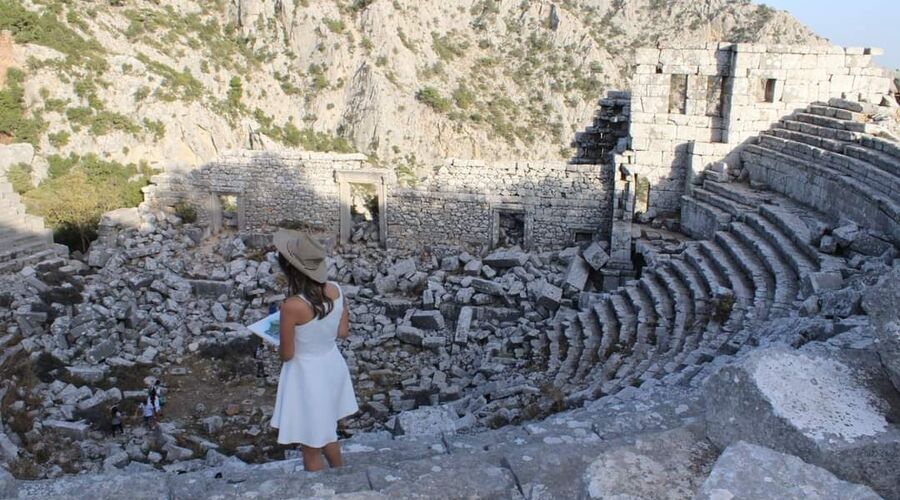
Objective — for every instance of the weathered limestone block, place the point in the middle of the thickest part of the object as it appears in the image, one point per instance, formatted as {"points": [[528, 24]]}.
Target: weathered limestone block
{"points": [[506, 258], [549, 296], [487, 287], [89, 374], [578, 273], [668, 465], [831, 408], [74, 430], [746, 471], [425, 421], [410, 335], [103, 350], [595, 256], [463, 323], [428, 320]]}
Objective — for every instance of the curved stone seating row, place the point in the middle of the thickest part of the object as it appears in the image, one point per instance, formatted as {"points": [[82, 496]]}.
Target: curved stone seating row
{"points": [[827, 157], [23, 238], [756, 249]]}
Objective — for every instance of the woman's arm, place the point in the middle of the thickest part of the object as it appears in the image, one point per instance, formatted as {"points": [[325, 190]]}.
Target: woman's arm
{"points": [[344, 325], [294, 312]]}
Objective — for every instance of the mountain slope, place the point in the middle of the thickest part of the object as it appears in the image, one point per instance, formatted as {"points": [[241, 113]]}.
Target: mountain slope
{"points": [[406, 81]]}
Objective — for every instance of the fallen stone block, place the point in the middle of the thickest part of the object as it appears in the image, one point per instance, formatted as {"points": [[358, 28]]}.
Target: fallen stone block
{"points": [[749, 471], [821, 281], [487, 287], [428, 320], [463, 323], [410, 335], [210, 288], [403, 268], [831, 407], [502, 259], [75, 430], [595, 256], [425, 421], [103, 350], [89, 374], [578, 273], [394, 307], [549, 296], [473, 268]]}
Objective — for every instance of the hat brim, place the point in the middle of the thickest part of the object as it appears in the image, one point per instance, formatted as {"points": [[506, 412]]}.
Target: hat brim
{"points": [[281, 241]]}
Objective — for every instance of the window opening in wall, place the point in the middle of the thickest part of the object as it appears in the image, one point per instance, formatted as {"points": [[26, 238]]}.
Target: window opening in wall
{"points": [[678, 94], [364, 214], [512, 228], [641, 195], [229, 206], [583, 237], [715, 86], [767, 90]]}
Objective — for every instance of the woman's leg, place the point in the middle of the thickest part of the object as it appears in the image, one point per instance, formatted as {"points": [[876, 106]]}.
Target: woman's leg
{"points": [[312, 458], [332, 453]]}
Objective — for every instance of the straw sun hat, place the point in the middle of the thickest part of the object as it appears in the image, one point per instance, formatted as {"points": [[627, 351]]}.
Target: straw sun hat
{"points": [[304, 252]]}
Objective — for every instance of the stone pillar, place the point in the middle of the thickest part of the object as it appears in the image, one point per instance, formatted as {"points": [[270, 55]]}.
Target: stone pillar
{"points": [[619, 268]]}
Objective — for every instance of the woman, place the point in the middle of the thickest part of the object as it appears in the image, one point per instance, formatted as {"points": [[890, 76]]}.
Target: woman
{"points": [[314, 390]]}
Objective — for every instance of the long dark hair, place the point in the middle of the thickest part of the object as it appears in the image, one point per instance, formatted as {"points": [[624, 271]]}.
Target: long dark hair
{"points": [[301, 284]]}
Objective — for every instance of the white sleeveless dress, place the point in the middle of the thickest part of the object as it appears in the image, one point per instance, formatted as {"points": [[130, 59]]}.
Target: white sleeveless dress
{"points": [[314, 390]]}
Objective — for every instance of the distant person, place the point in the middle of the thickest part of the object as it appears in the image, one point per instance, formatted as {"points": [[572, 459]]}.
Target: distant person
{"points": [[145, 409], [115, 420], [160, 393], [314, 389]]}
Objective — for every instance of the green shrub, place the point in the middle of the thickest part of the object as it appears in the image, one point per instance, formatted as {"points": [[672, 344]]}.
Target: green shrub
{"points": [[176, 84], [319, 80], [79, 190], [186, 212], [432, 98], [46, 29], [19, 176], [156, 128], [235, 92], [334, 25], [463, 97], [58, 139], [446, 48], [13, 120]]}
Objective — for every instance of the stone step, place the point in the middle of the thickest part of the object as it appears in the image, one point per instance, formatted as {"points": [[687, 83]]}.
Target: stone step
{"points": [[605, 316], [627, 321], [593, 337], [825, 121], [869, 174], [553, 357], [786, 286], [695, 285], [792, 223], [683, 309], [728, 271], [822, 188], [732, 207], [812, 140], [651, 285], [763, 284], [837, 102], [739, 193], [817, 130], [884, 161], [698, 261], [888, 147], [16, 237], [574, 338], [646, 313], [700, 219], [836, 113], [799, 261], [23, 249]]}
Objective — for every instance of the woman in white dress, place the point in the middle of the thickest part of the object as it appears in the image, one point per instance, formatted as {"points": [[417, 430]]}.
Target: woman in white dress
{"points": [[315, 390]]}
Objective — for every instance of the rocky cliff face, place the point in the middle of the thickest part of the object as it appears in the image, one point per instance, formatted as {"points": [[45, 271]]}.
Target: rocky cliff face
{"points": [[405, 81]]}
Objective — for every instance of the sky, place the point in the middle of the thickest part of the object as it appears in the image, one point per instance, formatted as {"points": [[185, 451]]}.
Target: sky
{"points": [[851, 23]]}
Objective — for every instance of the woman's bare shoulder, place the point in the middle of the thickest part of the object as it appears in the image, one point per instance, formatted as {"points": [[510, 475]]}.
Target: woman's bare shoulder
{"points": [[295, 307], [332, 290]]}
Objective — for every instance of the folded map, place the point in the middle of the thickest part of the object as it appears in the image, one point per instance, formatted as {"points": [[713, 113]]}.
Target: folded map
{"points": [[267, 328]]}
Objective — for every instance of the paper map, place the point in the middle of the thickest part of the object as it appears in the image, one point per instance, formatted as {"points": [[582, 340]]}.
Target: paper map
{"points": [[267, 328]]}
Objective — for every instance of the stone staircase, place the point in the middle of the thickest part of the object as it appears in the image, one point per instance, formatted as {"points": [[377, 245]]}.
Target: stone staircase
{"points": [[755, 257], [23, 238], [830, 158]]}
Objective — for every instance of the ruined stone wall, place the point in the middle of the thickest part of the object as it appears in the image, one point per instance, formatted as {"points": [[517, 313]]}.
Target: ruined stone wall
{"points": [[461, 201], [692, 106], [272, 188]]}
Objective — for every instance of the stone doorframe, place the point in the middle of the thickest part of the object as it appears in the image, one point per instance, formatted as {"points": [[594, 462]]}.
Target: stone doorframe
{"points": [[214, 210], [526, 211], [378, 178]]}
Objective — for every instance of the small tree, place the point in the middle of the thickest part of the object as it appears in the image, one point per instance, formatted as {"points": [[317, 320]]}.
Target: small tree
{"points": [[235, 91]]}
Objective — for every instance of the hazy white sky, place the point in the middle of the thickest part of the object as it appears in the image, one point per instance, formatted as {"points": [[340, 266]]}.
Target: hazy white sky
{"points": [[851, 23]]}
